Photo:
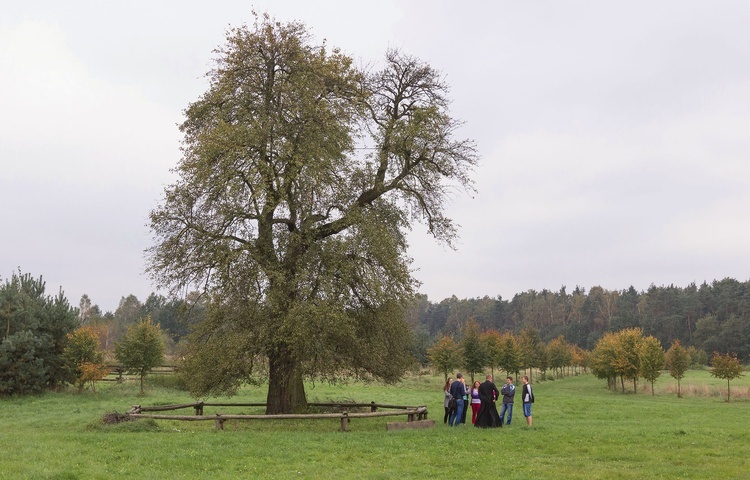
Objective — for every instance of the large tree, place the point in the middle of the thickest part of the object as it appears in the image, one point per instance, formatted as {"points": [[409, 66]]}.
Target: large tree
{"points": [[299, 179]]}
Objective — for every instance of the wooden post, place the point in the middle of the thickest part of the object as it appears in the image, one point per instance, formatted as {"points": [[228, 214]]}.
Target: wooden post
{"points": [[344, 421]]}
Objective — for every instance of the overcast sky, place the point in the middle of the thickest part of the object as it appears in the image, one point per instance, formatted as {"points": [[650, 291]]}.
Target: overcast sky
{"points": [[614, 138]]}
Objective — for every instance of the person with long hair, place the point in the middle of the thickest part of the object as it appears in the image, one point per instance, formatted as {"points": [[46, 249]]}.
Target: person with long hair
{"points": [[475, 402], [448, 397]]}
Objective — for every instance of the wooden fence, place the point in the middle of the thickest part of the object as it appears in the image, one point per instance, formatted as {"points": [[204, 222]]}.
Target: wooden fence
{"points": [[118, 372], [417, 416]]}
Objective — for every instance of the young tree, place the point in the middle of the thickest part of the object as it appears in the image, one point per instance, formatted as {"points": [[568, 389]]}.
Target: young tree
{"points": [[531, 347], [698, 357], [474, 356], [141, 349], [652, 360], [603, 359], [444, 355], [560, 355], [726, 366], [580, 357], [83, 355], [627, 356], [492, 348], [512, 357], [297, 235], [678, 361], [91, 373]]}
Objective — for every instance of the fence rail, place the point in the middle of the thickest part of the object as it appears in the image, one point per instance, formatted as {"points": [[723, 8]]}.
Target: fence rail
{"points": [[118, 371], [413, 414]]}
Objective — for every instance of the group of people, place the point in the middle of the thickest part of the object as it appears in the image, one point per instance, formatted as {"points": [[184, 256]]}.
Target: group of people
{"points": [[483, 398]]}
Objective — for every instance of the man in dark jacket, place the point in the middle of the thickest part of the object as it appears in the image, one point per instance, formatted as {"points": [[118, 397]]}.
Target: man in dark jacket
{"points": [[458, 390], [508, 392]]}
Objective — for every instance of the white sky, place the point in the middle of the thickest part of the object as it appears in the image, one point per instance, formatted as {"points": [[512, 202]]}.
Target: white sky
{"points": [[614, 138]]}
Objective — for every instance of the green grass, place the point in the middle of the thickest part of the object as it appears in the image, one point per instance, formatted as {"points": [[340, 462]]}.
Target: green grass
{"points": [[581, 430]]}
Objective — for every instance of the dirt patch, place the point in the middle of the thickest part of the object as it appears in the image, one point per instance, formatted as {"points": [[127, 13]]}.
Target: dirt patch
{"points": [[114, 418]]}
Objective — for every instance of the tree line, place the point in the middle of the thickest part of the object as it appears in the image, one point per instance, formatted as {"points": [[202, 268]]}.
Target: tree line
{"points": [[477, 351], [48, 343], [713, 317], [629, 355], [625, 355]]}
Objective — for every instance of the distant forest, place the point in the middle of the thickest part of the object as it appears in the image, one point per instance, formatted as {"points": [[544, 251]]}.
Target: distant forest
{"points": [[713, 317]]}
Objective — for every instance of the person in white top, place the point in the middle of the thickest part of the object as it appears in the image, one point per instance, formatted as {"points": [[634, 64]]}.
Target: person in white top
{"points": [[527, 396]]}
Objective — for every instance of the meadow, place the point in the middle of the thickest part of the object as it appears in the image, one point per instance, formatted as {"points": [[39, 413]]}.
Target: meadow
{"points": [[581, 431]]}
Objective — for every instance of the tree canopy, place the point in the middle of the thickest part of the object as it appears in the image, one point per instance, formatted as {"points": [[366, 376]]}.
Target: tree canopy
{"points": [[300, 177]]}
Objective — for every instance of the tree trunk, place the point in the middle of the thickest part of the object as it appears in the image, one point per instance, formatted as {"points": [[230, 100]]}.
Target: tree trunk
{"points": [[727, 390], [286, 391]]}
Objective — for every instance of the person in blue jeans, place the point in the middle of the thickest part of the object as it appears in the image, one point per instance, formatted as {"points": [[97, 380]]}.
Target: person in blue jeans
{"points": [[527, 397], [458, 390], [508, 392]]}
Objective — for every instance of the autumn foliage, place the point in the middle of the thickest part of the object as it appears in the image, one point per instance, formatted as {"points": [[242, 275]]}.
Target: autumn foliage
{"points": [[84, 357]]}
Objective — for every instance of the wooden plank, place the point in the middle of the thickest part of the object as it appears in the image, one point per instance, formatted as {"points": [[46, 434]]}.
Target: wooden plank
{"points": [[299, 416], [404, 425]]}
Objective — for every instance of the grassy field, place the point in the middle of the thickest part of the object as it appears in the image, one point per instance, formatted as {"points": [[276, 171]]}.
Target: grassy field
{"points": [[581, 431]]}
